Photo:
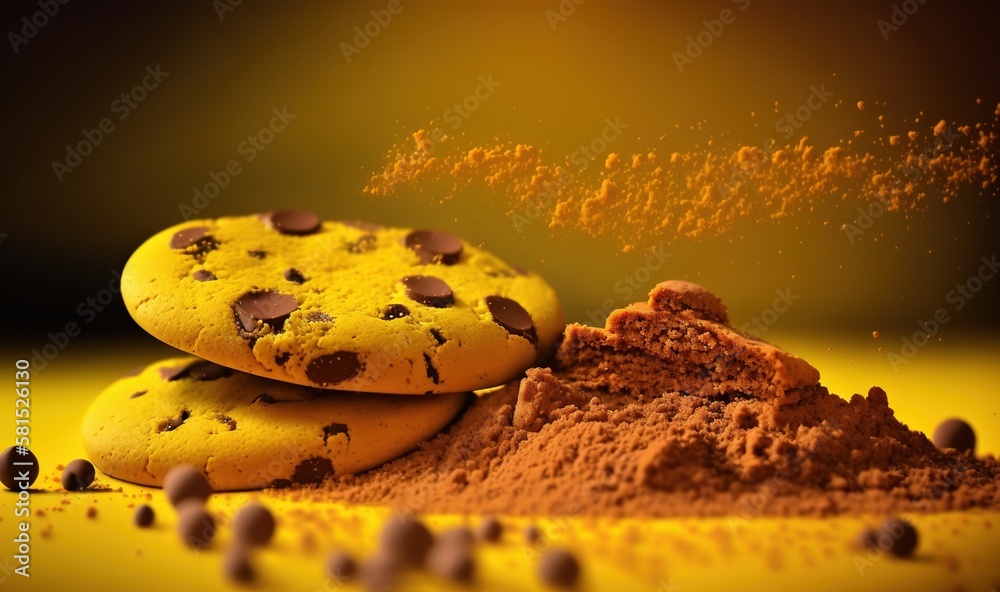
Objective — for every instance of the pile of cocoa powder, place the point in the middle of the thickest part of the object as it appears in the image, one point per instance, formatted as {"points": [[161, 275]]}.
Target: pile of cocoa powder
{"points": [[577, 439]]}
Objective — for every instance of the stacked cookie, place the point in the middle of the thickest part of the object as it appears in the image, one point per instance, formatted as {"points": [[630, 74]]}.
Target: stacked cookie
{"points": [[324, 348]]}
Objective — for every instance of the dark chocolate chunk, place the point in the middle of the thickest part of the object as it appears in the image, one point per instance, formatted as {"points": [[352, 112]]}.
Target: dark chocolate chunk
{"points": [[312, 470], [489, 530], [451, 560], [407, 539], [229, 421], [137, 394], [293, 275], [172, 423], [268, 306], [335, 428], [428, 290], [330, 369], [183, 239], [511, 316], [203, 275], [432, 372], [294, 222], [18, 468], [257, 254], [394, 311], [957, 434], [195, 525], [143, 516], [434, 246], [184, 482], [236, 565], [897, 536], [78, 475], [282, 359], [254, 524], [340, 566], [559, 567]]}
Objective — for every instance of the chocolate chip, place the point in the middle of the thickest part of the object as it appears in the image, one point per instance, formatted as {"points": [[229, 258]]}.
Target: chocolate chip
{"points": [[16, 462], [257, 254], [143, 516], [898, 537], [195, 525], [559, 567], [532, 534], [203, 275], [489, 530], [268, 306], [172, 423], [205, 371], [434, 246], [137, 394], [282, 359], [312, 470], [957, 434], [184, 482], [254, 524], [333, 429], [229, 421], [294, 222], [451, 560], [236, 565], [511, 316], [432, 372], [394, 311], [78, 475], [183, 239], [428, 290], [406, 539], [330, 369], [294, 275], [340, 566]]}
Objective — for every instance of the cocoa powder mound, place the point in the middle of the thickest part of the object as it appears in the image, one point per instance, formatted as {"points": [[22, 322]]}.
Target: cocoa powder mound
{"points": [[589, 438]]}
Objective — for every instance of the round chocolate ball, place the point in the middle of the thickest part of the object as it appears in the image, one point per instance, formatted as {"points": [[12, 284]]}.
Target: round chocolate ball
{"points": [[897, 536], [236, 564], [18, 468], [451, 559], [405, 538], [195, 525], [489, 530], [340, 566], [143, 516], [532, 534], [559, 568], [78, 475], [957, 434], [184, 482], [254, 524]]}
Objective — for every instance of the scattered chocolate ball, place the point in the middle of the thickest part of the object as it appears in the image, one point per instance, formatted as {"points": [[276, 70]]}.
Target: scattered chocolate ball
{"points": [[405, 538], [532, 534], [489, 530], [559, 567], [254, 524], [451, 558], [91, 512], [381, 571], [18, 468], [957, 434], [897, 536], [78, 475], [144, 516], [183, 482], [341, 567], [868, 538], [195, 525], [236, 564]]}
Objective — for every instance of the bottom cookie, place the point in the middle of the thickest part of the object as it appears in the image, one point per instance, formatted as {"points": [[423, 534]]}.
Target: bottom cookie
{"points": [[248, 432]]}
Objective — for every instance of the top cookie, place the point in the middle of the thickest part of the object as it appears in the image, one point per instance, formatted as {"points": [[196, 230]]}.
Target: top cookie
{"points": [[342, 305]]}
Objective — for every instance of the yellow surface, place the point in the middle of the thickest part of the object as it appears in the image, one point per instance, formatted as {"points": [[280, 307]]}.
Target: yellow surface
{"points": [[71, 551]]}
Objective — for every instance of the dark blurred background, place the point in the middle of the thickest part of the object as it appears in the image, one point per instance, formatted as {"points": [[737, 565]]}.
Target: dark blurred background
{"points": [[224, 68]]}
